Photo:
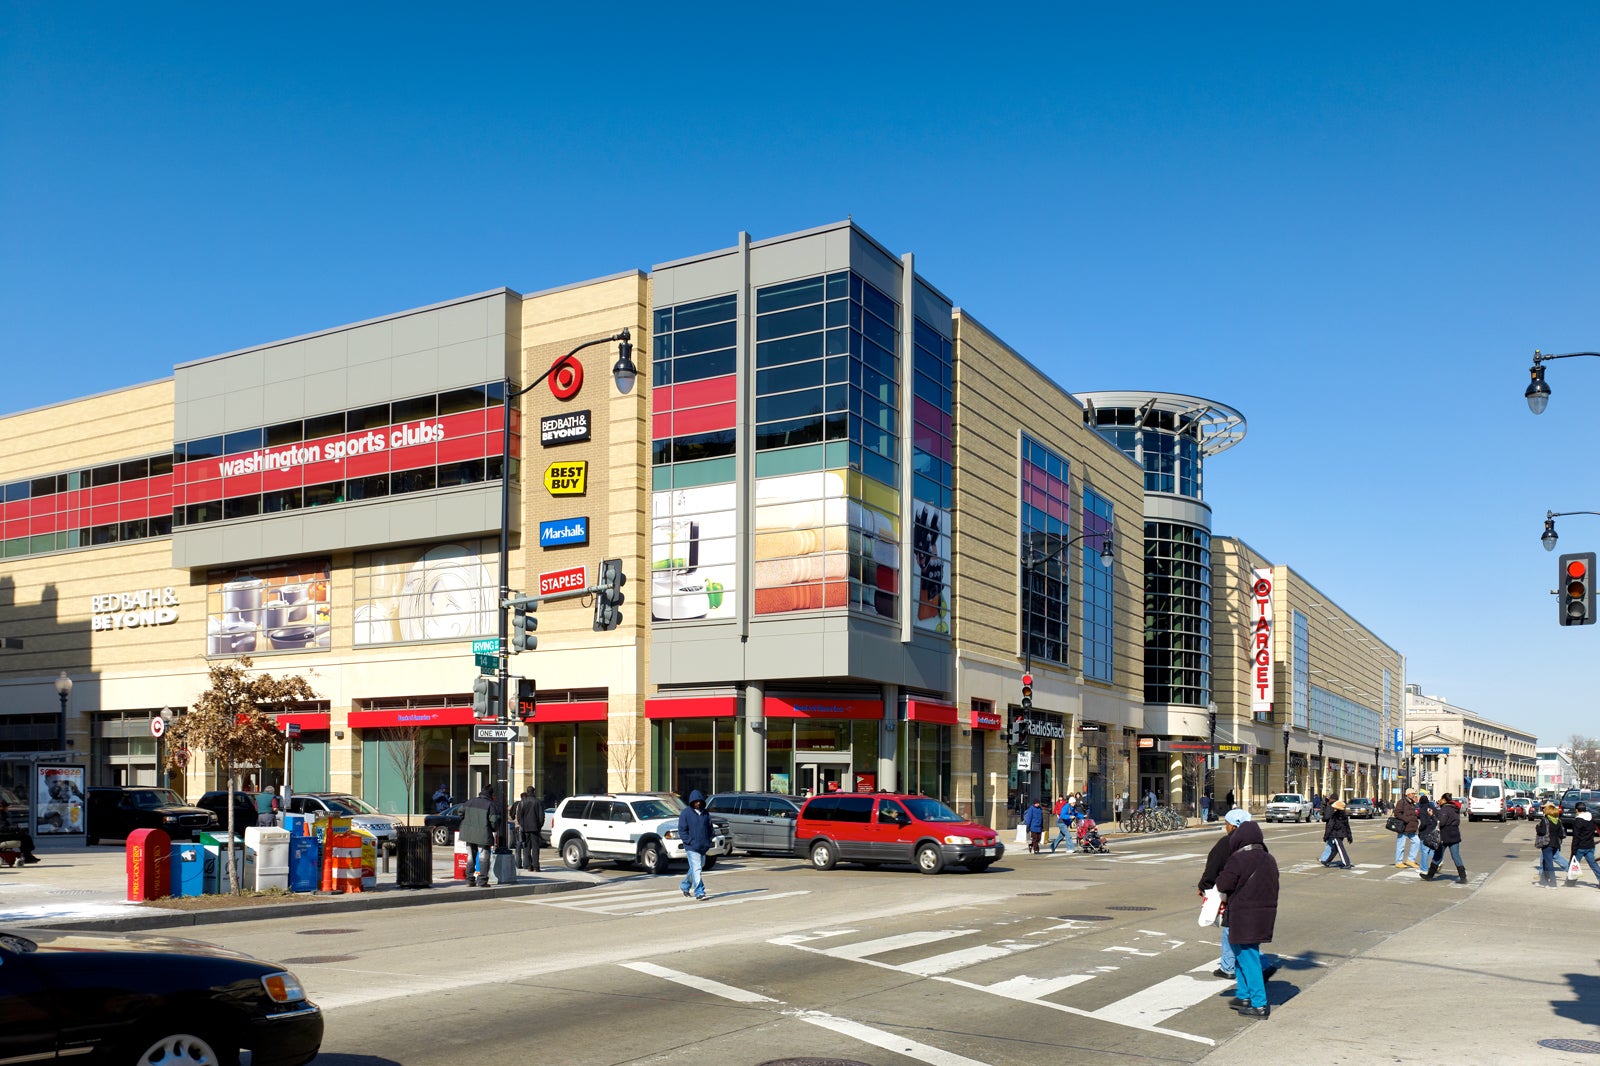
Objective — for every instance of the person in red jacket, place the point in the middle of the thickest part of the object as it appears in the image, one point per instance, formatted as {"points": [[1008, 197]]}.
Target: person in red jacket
{"points": [[1249, 883]]}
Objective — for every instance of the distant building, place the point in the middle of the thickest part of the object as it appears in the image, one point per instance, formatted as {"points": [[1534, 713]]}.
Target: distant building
{"points": [[1447, 746], [1556, 771]]}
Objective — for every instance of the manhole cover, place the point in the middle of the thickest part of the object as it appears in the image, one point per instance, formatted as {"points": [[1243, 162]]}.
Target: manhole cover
{"points": [[1083, 917], [813, 1062], [1581, 1047], [324, 932], [1035, 893], [1128, 907], [313, 959]]}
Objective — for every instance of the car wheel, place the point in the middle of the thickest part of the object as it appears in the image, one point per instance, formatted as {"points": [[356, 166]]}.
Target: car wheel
{"points": [[441, 835], [822, 856], [574, 854], [174, 1047], [652, 859], [929, 861]]}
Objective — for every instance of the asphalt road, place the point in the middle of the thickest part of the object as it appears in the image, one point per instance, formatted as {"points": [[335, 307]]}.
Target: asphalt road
{"points": [[1096, 958]]}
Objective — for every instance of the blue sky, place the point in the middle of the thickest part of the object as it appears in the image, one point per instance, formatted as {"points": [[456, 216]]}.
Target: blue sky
{"points": [[1353, 224]]}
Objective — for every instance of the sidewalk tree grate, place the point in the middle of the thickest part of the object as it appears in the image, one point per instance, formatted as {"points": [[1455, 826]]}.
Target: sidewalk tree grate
{"points": [[1128, 907], [1083, 917], [324, 932], [1580, 1047], [308, 960]]}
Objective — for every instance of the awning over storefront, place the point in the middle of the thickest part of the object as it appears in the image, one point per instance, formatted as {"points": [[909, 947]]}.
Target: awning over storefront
{"points": [[929, 711], [433, 716], [822, 707], [691, 707], [308, 721]]}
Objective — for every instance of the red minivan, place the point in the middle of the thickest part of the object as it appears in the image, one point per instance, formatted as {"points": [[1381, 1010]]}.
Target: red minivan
{"points": [[872, 828]]}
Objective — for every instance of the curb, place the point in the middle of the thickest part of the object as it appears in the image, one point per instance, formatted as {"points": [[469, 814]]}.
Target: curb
{"points": [[351, 902]]}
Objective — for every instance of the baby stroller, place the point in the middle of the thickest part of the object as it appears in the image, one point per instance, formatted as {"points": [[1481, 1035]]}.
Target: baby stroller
{"points": [[1089, 842]]}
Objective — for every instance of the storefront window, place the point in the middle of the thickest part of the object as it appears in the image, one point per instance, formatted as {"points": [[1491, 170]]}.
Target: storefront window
{"points": [[926, 759]]}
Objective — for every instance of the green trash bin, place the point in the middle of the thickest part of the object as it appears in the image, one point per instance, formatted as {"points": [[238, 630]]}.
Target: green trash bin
{"points": [[214, 846]]}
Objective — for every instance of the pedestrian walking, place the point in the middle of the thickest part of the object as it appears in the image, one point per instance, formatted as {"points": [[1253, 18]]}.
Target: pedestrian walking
{"points": [[694, 829], [1336, 835], [1249, 885], [1227, 802], [1065, 816], [530, 819], [1583, 843], [1216, 859], [1122, 811], [1150, 800], [1033, 822], [481, 821], [441, 799], [1449, 839], [1427, 829], [1205, 808], [1406, 811], [267, 806], [1547, 836], [1316, 808]]}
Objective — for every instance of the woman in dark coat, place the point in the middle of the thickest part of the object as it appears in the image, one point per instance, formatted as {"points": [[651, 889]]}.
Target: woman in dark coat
{"points": [[1427, 825], [1449, 837], [1335, 835], [1249, 881]]}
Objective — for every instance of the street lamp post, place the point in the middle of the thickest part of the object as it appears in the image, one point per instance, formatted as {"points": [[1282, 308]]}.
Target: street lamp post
{"points": [[1377, 774], [1211, 760], [1549, 537], [63, 689], [1322, 769], [1538, 393], [623, 373]]}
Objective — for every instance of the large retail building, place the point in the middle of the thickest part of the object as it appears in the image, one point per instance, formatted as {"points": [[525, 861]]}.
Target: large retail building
{"points": [[850, 515]]}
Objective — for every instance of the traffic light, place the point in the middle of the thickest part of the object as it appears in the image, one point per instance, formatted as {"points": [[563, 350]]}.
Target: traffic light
{"points": [[1027, 692], [608, 596], [527, 698], [524, 620], [485, 698], [1576, 589]]}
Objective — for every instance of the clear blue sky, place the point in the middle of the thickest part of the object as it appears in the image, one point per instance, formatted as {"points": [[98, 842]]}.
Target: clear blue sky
{"points": [[1354, 224]]}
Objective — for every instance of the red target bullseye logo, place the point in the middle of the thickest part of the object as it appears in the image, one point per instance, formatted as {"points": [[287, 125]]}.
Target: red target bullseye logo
{"points": [[566, 378]]}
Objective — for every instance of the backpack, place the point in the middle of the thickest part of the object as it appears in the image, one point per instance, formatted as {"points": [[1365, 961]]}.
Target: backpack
{"points": [[1541, 833]]}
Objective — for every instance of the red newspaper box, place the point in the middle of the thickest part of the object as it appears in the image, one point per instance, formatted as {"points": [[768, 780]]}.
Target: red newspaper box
{"points": [[149, 865]]}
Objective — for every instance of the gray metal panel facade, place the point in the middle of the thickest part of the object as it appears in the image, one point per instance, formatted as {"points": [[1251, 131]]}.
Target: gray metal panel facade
{"points": [[464, 342]]}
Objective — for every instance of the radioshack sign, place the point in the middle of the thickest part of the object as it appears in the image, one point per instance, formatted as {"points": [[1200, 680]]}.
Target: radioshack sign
{"points": [[1261, 643]]}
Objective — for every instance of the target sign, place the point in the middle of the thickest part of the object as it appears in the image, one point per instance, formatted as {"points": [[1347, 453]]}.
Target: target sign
{"points": [[566, 378], [157, 726]]}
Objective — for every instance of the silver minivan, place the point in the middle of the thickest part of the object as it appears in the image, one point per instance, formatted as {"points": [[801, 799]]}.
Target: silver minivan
{"points": [[760, 821]]}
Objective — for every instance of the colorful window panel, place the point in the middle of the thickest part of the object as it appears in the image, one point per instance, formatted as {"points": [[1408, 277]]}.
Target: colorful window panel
{"points": [[932, 458], [1046, 512], [107, 504], [1099, 603]]}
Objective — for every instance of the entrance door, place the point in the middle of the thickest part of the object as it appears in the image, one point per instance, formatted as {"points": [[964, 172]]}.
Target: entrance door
{"points": [[818, 774]]}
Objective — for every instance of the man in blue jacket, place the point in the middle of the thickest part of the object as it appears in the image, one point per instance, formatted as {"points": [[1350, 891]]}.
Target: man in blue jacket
{"points": [[694, 829]]}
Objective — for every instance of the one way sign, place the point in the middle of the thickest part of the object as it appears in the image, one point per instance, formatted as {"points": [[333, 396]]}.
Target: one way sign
{"points": [[494, 734]]}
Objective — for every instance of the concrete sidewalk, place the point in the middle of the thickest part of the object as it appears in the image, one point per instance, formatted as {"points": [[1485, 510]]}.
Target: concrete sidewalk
{"points": [[86, 888], [1482, 982]]}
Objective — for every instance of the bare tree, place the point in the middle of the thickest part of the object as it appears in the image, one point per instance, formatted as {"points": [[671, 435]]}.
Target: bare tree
{"points": [[403, 747], [231, 723], [1585, 754]]}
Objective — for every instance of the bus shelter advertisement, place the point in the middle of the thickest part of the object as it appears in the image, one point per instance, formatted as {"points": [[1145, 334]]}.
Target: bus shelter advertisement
{"points": [[58, 801]]}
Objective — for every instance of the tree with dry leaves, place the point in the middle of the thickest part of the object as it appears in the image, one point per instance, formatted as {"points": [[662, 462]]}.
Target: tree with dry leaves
{"points": [[231, 723]]}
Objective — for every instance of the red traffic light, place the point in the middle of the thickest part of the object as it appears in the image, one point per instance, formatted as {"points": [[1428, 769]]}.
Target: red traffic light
{"points": [[1027, 679], [1575, 568]]}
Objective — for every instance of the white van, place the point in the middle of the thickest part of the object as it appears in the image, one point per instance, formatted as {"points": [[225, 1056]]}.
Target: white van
{"points": [[1486, 799]]}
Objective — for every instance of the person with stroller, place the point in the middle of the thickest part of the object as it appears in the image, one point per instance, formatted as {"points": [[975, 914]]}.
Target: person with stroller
{"points": [[1089, 842]]}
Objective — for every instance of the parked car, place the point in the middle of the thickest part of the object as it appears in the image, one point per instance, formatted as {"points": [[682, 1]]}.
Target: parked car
{"points": [[759, 821], [1518, 807], [627, 828], [1360, 807], [362, 815], [891, 828], [244, 809], [445, 824], [144, 998], [1288, 807], [115, 812]]}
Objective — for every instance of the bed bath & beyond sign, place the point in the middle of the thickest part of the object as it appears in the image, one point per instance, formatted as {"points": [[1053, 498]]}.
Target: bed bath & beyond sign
{"points": [[132, 610]]}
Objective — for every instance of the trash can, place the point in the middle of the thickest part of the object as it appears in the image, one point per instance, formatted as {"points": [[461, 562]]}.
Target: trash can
{"points": [[266, 858], [504, 864], [414, 857], [149, 865], [214, 851], [188, 869], [459, 868], [305, 865]]}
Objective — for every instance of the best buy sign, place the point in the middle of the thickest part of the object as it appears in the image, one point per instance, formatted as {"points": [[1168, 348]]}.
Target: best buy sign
{"points": [[567, 479]]}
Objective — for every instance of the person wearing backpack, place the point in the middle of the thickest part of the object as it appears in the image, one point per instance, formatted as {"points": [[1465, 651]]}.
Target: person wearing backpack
{"points": [[1547, 837]]}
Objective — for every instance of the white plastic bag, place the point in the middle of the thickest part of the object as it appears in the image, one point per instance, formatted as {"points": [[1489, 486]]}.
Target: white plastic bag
{"points": [[1210, 907]]}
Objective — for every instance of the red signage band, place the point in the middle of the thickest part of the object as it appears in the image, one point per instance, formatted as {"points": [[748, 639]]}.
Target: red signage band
{"points": [[568, 580], [985, 720], [821, 707], [928, 711], [691, 707], [310, 721]]}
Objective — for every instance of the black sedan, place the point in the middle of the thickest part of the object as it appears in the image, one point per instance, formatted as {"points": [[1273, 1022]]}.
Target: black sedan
{"points": [[144, 999], [445, 824]]}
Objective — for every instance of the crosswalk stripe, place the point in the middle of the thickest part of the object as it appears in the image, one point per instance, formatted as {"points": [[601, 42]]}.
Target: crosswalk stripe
{"points": [[955, 960], [893, 943], [1173, 858], [1032, 988], [721, 901], [1150, 1007]]}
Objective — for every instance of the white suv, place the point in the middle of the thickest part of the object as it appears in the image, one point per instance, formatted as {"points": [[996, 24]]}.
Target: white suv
{"points": [[1288, 807], [627, 828]]}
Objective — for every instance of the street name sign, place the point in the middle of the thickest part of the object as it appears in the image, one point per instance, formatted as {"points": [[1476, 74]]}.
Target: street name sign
{"points": [[486, 647]]}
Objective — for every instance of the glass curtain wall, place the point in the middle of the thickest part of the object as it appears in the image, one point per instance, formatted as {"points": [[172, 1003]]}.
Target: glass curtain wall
{"points": [[1177, 614]]}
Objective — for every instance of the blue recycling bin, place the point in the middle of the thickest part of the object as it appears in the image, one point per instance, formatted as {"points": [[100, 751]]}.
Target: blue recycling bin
{"points": [[305, 871], [295, 824], [188, 869]]}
